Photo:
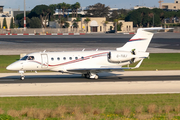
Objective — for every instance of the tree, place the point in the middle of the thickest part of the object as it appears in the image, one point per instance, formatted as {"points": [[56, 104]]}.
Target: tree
{"points": [[105, 23], [4, 23], [62, 6], [0, 25], [22, 22], [115, 22], [53, 6], [77, 6], [75, 22], [73, 10], [12, 23], [119, 25], [97, 10], [75, 25], [114, 15], [134, 16], [66, 25], [68, 6], [62, 21], [35, 22], [86, 22], [20, 16], [140, 17], [43, 11]]}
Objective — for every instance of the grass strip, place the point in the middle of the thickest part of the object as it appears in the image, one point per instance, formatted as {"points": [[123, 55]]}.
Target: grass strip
{"points": [[159, 106], [160, 61]]}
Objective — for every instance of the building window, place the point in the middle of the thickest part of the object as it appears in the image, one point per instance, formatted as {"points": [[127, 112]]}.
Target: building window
{"points": [[176, 1], [174, 6], [100, 28], [129, 28]]}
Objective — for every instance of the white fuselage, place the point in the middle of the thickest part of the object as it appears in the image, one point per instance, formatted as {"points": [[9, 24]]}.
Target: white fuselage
{"points": [[62, 61]]}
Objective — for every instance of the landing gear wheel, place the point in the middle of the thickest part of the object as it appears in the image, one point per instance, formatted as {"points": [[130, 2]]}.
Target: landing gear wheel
{"points": [[84, 75], [22, 77], [96, 77], [88, 76]]}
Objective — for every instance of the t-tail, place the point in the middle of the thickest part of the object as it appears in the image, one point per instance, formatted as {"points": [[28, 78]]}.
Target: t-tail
{"points": [[141, 40]]}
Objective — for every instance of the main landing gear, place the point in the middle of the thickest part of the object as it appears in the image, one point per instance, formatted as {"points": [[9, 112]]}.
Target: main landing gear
{"points": [[22, 75], [90, 76]]}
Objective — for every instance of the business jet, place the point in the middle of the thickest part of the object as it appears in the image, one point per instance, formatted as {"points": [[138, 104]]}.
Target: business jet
{"points": [[89, 63]]}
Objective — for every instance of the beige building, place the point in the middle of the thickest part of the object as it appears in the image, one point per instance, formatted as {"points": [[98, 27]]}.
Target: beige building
{"points": [[126, 26], [172, 6], [97, 24]]}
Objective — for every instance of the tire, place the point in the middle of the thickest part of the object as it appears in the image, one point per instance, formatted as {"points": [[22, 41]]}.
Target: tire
{"points": [[88, 76], [96, 77], [22, 78]]}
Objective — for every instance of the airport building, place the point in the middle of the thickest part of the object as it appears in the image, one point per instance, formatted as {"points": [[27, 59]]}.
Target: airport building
{"points": [[97, 24], [172, 6]]}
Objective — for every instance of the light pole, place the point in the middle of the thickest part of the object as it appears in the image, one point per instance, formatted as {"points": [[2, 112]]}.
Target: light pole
{"points": [[24, 15], [153, 19]]}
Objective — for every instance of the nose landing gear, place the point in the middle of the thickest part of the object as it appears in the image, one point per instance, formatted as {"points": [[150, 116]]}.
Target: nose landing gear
{"points": [[22, 75]]}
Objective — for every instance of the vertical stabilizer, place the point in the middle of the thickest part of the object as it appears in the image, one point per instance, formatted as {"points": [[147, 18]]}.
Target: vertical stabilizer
{"points": [[141, 40]]}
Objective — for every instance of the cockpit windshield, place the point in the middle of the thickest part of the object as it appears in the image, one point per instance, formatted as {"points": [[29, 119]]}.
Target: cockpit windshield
{"points": [[27, 58], [24, 58]]}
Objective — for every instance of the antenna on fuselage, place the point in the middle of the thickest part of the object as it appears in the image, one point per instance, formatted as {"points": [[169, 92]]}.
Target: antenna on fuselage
{"points": [[96, 49], [44, 51], [83, 49]]}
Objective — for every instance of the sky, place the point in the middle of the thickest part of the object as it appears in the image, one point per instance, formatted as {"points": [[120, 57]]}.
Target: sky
{"points": [[126, 4]]}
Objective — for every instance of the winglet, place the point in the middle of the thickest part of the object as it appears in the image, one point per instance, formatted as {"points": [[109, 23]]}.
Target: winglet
{"points": [[138, 65]]}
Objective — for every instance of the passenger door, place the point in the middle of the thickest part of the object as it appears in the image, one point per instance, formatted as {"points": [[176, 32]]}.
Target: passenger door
{"points": [[44, 59]]}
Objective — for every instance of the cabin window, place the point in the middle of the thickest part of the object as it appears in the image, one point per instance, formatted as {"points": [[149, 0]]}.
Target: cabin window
{"points": [[31, 58], [82, 57], [64, 58], [76, 58], [70, 58], [58, 58], [52, 58]]}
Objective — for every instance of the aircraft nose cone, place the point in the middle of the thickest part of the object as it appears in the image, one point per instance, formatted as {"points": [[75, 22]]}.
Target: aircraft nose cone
{"points": [[10, 67]]}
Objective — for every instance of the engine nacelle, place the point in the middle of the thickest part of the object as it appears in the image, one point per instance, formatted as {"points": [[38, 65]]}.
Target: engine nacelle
{"points": [[120, 57]]}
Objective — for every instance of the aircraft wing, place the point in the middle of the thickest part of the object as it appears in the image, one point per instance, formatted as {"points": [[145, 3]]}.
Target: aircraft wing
{"points": [[104, 69]]}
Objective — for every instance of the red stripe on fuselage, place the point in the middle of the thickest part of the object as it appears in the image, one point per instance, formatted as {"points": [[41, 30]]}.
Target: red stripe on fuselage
{"points": [[78, 60]]}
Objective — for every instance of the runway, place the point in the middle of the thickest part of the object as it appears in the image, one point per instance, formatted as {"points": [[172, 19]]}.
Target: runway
{"points": [[79, 79], [54, 84], [14, 45]]}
